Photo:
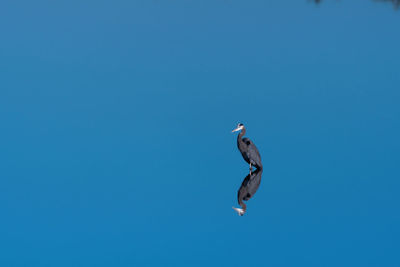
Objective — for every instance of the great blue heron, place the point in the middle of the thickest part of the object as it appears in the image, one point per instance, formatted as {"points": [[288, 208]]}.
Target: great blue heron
{"points": [[247, 148]]}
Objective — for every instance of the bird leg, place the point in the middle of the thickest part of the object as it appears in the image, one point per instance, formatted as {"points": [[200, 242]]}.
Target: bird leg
{"points": [[250, 168]]}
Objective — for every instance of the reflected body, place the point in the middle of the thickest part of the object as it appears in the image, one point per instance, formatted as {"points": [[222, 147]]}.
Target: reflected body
{"points": [[248, 188], [247, 148]]}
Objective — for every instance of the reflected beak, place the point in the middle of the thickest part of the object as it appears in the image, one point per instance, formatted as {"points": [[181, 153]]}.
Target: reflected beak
{"points": [[239, 211], [237, 129]]}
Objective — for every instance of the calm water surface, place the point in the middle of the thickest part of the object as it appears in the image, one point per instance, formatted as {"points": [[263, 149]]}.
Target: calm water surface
{"points": [[117, 149]]}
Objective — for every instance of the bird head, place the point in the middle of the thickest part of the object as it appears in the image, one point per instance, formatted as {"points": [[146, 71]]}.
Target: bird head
{"points": [[239, 127]]}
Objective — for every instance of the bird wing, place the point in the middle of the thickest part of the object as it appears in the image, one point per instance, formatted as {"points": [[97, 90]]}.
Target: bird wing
{"points": [[252, 151]]}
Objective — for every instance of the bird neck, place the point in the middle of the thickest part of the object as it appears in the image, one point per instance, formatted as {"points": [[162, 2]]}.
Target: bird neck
{"points": [[241, 134]]}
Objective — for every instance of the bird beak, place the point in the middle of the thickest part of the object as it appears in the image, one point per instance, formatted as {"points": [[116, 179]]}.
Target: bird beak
{"points": [[237, 129]]}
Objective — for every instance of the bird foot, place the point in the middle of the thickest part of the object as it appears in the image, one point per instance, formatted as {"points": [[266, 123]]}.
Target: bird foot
{"points": [[239, 211]]}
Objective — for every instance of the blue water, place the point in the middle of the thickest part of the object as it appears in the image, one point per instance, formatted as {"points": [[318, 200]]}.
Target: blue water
{"points": [[116, 121]]}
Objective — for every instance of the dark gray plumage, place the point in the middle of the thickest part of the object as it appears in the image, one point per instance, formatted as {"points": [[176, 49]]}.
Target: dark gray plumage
{"points": [[247, 148]]}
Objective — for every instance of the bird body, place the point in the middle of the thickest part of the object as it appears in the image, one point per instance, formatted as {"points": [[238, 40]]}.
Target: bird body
{"points": [[247, 148]]}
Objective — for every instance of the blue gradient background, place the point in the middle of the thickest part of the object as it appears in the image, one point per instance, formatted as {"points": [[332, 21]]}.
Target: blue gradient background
{"points": [[115, 133]]}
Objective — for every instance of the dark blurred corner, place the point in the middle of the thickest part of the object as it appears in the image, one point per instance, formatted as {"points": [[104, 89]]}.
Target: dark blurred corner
{"points": [[395, 3]]}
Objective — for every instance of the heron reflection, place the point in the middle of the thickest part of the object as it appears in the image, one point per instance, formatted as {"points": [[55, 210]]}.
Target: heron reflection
{"points": [[248, 188]]}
